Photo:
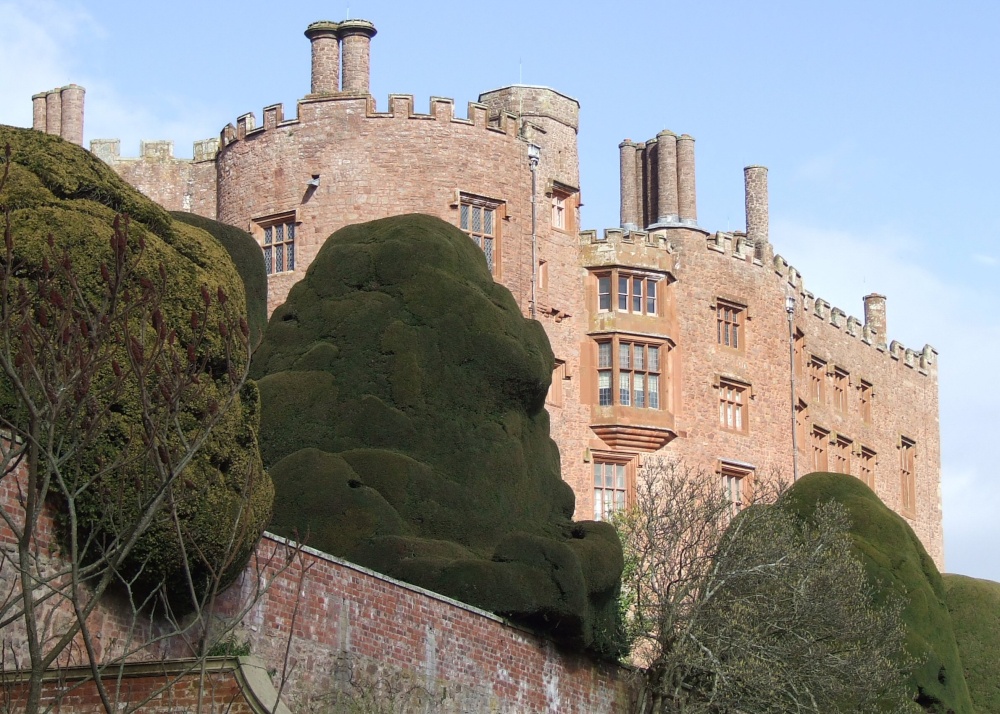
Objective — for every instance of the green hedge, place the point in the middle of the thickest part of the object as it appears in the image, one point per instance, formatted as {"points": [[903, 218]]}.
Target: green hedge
{"points": [[403, 421], [896, 561], [58, 188], [975, 611]]}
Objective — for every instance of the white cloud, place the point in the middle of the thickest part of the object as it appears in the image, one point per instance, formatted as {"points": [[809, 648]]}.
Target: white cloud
{"points": [[48, 43], [983, 259], [36, 52]]}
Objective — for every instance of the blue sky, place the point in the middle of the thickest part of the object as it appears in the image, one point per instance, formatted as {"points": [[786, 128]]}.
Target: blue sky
{"points": [[877, 121]]}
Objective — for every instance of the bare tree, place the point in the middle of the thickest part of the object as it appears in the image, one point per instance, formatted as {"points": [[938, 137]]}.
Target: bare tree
{"points": [[70, 356], [743, 607]]}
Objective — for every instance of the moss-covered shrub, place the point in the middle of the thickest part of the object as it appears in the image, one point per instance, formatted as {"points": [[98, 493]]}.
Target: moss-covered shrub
{"points": [[224, 496], [975, 612], [246, 256], [896, 560], [403, 423]]}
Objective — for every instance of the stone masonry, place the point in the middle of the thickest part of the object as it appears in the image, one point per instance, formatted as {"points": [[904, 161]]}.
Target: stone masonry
{"points": [[670, 340]]}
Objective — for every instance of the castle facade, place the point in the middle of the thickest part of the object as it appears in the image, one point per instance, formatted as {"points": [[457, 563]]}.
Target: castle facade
{"points": [[670, 339]]}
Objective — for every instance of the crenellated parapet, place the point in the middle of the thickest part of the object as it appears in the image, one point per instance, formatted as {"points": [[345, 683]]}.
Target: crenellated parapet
{"points": [[735, 244], [160, 151], [632, 249], [345, 107], [871, 331], [176, 184]]}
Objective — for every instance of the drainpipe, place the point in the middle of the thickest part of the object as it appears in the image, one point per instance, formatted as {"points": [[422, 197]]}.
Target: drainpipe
{"points": [[790, 309], [534, 153]]}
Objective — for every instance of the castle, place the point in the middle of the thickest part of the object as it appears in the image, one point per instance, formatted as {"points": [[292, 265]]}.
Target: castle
{"points": [[670, 339]]}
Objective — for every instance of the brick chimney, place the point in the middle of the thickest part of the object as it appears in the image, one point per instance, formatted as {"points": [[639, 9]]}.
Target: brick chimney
{"points": [[667, 177], [755, 184], [356, 36], [875, 317], [630, 205], [687, 204], [71, 98], [53, 112], [325, 57], [38, 111]]}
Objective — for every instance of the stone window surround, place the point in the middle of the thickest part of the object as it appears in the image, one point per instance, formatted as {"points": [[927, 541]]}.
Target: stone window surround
{"points": [[610, 371], [736, 478], [610, 295], [285, 220], [490, 242], [624, 495]]}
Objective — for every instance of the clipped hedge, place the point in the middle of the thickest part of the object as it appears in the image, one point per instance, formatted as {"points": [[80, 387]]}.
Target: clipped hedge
{"points": [[896, 560], [403, 422], [975, 611], [246, 256], [58, 188]]}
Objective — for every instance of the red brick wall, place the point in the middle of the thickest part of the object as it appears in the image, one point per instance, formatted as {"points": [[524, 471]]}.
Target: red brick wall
{"points": [[347, 630], [176, 184], [220, 692]]}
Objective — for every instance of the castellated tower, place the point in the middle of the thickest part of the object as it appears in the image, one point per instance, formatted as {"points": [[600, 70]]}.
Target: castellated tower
{"points": [[670, 340]]}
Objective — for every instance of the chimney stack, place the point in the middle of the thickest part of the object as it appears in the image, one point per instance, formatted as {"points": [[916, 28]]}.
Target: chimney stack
{"points": [[667, 212], [640, 185], [53, 112], [325, 44], [875, 317], [687, 206], [71, 99], [38, 111], [630, 210], [356, 36], [755, 183]]}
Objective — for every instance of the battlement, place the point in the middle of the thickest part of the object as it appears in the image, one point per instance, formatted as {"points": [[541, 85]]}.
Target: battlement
{"points": [[156, 151], [736, 244], [400, 106], [870, 331], [615, 236]]}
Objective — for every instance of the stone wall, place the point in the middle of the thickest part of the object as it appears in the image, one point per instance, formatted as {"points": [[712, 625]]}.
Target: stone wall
{"points": [[902, 383], [176, 184], [346, 631]]}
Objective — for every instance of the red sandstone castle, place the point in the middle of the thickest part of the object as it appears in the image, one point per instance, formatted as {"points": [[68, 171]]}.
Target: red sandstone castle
{"points": [[670, 339]]}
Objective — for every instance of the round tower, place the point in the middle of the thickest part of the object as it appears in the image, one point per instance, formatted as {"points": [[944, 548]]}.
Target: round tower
{"points": [[356, 36], [325, 57]]}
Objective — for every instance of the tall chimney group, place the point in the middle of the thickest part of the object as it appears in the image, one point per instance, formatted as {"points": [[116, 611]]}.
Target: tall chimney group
{"points": [[341, 54], [60, 112], [658, 182]]}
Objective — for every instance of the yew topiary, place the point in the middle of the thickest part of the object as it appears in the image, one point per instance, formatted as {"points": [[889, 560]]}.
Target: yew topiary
{"points": [[897, 563], [403, 422], [222, 500]]}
